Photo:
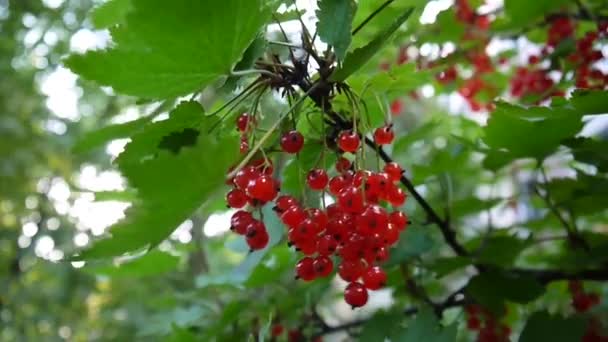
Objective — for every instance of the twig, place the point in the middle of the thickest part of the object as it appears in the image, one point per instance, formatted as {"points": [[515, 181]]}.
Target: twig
{"points": [[371, 16]]}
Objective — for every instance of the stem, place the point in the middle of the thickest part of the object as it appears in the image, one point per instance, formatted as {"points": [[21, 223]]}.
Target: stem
{"points": [[252, 72], [371, 16]]}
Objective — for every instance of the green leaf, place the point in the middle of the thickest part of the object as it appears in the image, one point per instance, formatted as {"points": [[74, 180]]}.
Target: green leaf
{"points": [[110, 13], [106, 134], [335, 22], [170, 186], [415, 241], [170, 49], [403, 143], [472, 205], [590, 101], [492, 288], [500, 250], [398, 79], [590, 151], [531, 132], [179, 334], [356, 59], [524, 12], [541, 324], [381, 326], [445, 266], [151, 264], [426, 327]]}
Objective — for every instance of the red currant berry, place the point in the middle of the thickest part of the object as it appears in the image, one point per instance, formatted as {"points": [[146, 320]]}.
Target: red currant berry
{"points": [[240, 220], [257, 236], [317, 179], [263, 188], [284, 202], [350, 199], [396, 196], [473, 323], [327, 245], [355, 294], [293, 216], [244, 145], [323, 265], [244, 122], [342, 165], [305, 269], [374, 278], [236, 198], [398, 219], [348, 141], [292, 142], [384, 135], [244, 176], [396, 107], [382, 254], [350, 270], [373, 219], [277, 330], [391, 235], [394, 171], [337, 184], [317, 216]]}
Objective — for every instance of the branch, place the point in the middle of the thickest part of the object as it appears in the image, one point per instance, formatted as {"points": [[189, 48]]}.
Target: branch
{"points": [[548, 276]]}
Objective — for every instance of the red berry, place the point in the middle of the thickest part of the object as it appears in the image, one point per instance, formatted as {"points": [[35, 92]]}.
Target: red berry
{"points": [[244, 176], [374, 278], [351, 270], [236, 198], [342, 164], [473, 323], [355, 294], [337, 184], [384, 135], [277, 330], [373, 219], [396, 107], [295, 335], [305, 269], [391, 235], [263, 188], [257, 236], [239, 221], [394, 171], [292, 142], [244, 122], [327, 245], [382, 254], [293, 216], [317, 216], [323, 265], [244, 145], [348, 141], [350, 199], [317, 179], [284, 202], [396, 196], [581, 302], [398, 219]]}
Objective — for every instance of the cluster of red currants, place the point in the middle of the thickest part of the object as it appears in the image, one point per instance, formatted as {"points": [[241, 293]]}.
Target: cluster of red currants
{"points": [[356, 229], [485, 323], [581, 300]]}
